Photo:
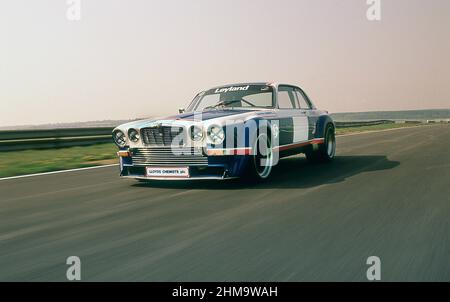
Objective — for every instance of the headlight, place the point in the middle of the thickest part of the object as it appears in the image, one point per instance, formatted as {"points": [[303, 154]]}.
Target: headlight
{"points": [[133, 134], [196, 133], [216, 134], [119, 138]]}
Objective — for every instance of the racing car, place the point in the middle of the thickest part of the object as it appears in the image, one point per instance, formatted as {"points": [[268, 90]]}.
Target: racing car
{"points": [[231, 131]]}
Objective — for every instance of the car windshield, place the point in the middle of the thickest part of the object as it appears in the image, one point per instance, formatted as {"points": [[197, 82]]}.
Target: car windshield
{"points": [[238, 96]]}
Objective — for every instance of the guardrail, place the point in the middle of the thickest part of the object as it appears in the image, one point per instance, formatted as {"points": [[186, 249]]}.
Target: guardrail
{"points": [[362, 123]]}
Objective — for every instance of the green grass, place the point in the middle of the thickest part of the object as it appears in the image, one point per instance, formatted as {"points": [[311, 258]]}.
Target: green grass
{"points": [[16, 163], [340, 131]]}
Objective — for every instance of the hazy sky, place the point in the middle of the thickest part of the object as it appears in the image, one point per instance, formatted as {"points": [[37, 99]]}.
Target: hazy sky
{"points": [[129, 59]]}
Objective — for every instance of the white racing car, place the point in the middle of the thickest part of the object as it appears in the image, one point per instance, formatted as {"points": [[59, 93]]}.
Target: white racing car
{"points": [[230, 131]]}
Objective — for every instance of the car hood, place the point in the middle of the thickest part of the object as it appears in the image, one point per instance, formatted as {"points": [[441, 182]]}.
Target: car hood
{"points": [[207, 117]]}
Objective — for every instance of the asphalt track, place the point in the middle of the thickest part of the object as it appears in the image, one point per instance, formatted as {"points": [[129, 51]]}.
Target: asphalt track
{"points": [[387, 194]]}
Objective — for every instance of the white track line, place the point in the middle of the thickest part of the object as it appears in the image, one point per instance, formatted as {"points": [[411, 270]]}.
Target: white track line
{"points": [[105, 166], [58, 172], [385, 130]]}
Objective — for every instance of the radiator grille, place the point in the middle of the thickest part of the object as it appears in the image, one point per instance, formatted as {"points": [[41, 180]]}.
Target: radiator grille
{"points": [[163, 136], [167, 156]]}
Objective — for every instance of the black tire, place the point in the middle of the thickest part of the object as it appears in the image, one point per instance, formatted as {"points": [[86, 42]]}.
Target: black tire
{"points": [[261, 163], [326, 151]]}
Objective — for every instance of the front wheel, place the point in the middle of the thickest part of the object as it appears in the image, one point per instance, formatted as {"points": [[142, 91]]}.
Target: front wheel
{"points": [[261, 162], [326, 151]]}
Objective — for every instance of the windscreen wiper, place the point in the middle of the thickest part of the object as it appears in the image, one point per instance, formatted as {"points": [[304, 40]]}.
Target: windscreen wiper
{"points": [[223, 103]]}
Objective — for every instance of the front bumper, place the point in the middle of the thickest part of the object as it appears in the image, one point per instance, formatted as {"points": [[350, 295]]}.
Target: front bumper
{"points": [[195, 173], [209, 167]]}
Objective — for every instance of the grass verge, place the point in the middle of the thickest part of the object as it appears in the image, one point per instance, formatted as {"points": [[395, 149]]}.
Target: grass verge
{"points": [[15, 163]]}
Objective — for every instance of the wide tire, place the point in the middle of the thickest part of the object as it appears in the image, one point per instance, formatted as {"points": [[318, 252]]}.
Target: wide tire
{"points": [[326, 151], [261, 163]]}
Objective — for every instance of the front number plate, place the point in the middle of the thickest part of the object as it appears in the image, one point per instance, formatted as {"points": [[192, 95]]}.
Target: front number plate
{"points": [[171, 172]]}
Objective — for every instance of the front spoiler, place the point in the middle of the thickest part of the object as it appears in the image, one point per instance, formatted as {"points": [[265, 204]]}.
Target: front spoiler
{"points": [[179, 178]]}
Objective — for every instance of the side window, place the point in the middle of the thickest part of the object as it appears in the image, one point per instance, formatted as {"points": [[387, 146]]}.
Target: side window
{"points": [[286, 98], [304, 104]]}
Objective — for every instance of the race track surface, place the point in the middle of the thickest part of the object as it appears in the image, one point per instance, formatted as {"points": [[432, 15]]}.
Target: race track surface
{"points": [[387, 194]]}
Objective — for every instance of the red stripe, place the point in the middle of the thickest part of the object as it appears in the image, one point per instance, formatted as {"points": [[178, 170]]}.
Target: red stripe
{"points": [[243, 151], [302, 144], [238, 151]]}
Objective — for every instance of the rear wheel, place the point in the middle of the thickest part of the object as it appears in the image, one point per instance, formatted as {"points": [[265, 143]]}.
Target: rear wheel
{"points": [[326, 151]]}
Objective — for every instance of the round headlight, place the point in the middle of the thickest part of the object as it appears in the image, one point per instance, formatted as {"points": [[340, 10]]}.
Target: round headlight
{"points": [[119, 138], [216, 134], [134, 136], [196, 133]]}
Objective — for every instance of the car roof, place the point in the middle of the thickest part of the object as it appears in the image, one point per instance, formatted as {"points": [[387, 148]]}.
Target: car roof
{"points": [[242, 84]]}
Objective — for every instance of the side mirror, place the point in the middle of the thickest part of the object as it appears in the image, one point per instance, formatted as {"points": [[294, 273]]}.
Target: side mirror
{"points": [[181, 110]]}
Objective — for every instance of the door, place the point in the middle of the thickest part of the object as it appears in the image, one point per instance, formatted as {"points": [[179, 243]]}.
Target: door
{"points": [[307, 109], [294, 126]]}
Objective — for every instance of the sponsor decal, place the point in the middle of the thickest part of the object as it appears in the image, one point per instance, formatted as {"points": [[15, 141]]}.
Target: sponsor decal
{"points": [[167, 172], [231, 89], [160, 123]]}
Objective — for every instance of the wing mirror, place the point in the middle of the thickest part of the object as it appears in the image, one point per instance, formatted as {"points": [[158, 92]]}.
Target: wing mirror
{"points": [[181, 110]]}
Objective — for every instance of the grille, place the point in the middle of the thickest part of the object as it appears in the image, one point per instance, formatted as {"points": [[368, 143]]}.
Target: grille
{"points": [[162, 136], [167, 156]]}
